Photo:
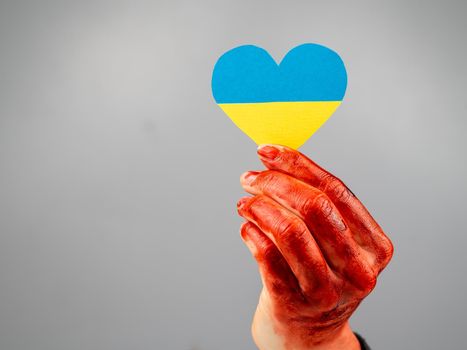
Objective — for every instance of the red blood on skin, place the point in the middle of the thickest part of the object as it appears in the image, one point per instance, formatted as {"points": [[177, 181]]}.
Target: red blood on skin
{"points": [[366, 230], [316, 275]]}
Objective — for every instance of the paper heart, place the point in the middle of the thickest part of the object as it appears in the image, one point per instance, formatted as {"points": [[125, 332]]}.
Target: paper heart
{"points": [[282, 104]]}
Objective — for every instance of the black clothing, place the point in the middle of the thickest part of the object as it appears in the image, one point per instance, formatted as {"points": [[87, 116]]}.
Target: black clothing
{"points": [[362, 342]]}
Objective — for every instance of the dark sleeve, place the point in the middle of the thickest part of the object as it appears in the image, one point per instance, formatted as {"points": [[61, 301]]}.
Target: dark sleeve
{"points": [[362, 341]]}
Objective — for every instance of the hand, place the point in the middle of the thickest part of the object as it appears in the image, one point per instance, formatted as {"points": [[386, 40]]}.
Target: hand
{"points": [[318, 249]]}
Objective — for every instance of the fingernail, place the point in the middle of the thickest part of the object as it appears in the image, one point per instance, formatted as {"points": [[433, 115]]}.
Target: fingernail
{"points": [[248, 177], [268, 152], [241, 202]]}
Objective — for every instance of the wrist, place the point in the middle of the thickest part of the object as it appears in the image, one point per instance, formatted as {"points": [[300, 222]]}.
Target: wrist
{"points": [[269, 334], [342, 339]]}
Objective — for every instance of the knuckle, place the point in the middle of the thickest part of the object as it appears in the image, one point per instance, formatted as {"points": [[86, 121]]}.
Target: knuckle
{"points": [[255, 202], [335, 188], [319, 204], [382, 247], [369, 283], [326, 179], [321, 208], [292, 158], [338, 189], [386, 251], [268, 179], [288, 228], [365, 280]]}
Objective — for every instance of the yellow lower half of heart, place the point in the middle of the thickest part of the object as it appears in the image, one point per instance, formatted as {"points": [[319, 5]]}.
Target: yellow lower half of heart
{"points": [[283, 123]]}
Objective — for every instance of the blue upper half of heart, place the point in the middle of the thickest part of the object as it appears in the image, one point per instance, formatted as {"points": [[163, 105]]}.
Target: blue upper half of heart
{"points": [[309, 72]]}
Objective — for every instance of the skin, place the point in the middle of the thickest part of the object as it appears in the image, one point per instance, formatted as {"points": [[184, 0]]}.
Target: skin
{"points": [[318, 249]]}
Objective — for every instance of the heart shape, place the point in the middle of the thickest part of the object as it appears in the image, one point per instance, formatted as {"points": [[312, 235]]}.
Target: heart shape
{"points": [[282, 104]]}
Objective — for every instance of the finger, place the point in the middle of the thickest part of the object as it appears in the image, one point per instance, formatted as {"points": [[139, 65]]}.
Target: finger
{"points": [[322, 218], [275, 273], [292, 238], [366, 231]]}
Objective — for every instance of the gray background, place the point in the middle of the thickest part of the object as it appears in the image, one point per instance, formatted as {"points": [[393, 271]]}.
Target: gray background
{"points": [[119, 174]]}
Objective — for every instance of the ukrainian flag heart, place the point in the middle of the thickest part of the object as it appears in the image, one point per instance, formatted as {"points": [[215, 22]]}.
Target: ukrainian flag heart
{"points": [[281, 104]]}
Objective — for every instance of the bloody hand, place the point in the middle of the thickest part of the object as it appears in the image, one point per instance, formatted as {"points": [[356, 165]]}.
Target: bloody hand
{"points": [[318, 249]]}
